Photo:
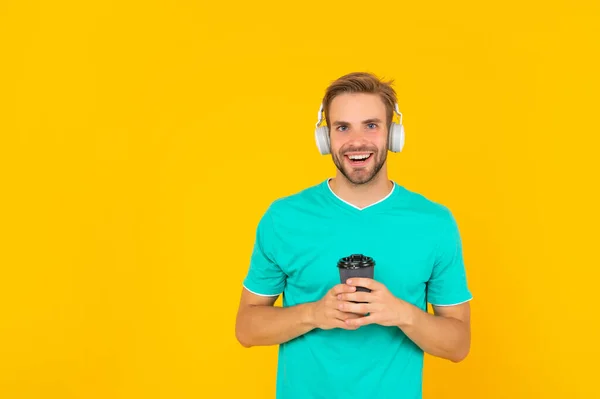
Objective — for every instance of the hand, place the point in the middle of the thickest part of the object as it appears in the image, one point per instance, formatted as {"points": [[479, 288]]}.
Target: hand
{"points": [[381, 306], [326, 313]]}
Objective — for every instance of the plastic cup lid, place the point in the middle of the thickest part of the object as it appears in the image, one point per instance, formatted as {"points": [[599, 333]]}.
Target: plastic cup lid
{"points": [[355, 261]]}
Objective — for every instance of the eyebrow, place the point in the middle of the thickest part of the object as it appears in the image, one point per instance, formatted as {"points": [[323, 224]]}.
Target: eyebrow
{"points": [[371, 120]]}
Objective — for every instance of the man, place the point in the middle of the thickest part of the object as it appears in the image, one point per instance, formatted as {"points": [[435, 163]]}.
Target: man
{"points": [[335, 341]]}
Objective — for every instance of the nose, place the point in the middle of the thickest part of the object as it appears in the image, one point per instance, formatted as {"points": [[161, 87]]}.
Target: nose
{"points": [[356, 135]]}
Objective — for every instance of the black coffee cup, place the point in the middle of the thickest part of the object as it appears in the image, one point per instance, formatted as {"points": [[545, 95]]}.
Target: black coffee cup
{"points": [[356, 265]]}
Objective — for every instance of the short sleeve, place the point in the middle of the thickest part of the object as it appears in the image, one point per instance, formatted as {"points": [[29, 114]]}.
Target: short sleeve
{"points": [[448, 283], [264, 276]]}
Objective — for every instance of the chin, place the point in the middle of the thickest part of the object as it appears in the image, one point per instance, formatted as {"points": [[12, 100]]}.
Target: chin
{"points": [[361, 177]]}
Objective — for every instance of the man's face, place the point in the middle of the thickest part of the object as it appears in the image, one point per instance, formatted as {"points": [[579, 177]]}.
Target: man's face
{"points": [[358, 135]]}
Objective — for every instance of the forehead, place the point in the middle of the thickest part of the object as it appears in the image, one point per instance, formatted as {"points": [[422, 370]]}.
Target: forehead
{"points": [[357, 106]]}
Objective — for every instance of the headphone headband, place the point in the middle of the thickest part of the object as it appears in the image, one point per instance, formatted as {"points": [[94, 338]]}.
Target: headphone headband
{"points": [[320, 116], [397, 110]]}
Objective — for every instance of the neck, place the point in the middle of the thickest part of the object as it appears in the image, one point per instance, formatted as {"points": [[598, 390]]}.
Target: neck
{"points": [[361, 195]]}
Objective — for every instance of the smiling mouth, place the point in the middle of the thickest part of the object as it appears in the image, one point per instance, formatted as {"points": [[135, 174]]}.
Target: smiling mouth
{"points": [[358, 159]]}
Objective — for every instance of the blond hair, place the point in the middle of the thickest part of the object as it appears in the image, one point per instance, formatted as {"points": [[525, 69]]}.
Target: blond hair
{"points": [[361, 82]]}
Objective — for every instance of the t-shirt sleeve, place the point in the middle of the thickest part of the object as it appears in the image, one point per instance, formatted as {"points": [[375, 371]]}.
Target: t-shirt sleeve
{"points": [[448, 283], [264, 276]]}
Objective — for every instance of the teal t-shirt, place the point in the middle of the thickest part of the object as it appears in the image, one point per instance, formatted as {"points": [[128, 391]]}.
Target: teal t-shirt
{"points": [[416, 245]]}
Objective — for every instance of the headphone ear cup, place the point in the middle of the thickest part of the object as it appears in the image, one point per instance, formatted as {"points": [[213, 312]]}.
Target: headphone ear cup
{"points": [[322, 139], [396, 137]]}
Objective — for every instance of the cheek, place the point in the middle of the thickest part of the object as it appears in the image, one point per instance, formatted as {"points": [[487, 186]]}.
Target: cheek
{"points": [[336, 144], [380, 142]]}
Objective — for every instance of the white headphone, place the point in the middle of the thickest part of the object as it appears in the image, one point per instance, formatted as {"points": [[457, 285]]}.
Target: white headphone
{"points": [[396, 134]]}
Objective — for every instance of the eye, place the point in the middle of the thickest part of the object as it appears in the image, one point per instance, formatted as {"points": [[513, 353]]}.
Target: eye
{"points": [[372, 125], [342, 128]]}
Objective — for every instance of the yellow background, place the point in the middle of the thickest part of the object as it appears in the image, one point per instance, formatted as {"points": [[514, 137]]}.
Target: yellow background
{"points": [[141, 142]]}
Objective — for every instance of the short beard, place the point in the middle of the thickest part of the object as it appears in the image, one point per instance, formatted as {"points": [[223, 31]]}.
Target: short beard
{"points": [[379, 159]]}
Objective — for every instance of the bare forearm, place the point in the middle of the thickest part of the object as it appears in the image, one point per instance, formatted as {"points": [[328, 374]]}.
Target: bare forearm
{"points": [[439, 336], [259, 325]]}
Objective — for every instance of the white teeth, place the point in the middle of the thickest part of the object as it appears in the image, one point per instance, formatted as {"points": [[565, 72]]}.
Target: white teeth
{"points": [[359, 157]]}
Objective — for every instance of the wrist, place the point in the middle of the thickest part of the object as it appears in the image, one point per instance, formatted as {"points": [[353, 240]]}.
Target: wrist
{"points": [[308, 314], [406, 314]]}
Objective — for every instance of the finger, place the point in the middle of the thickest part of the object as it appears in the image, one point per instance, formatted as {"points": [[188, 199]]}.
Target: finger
{"points": [[361, 321], [342, 288], [343, 316], [364, 282], [343, 325], [358, 296], [359, 308]]}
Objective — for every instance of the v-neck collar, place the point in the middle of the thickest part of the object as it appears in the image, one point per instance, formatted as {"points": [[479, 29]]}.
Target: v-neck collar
{"points": [[347, 205]]}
